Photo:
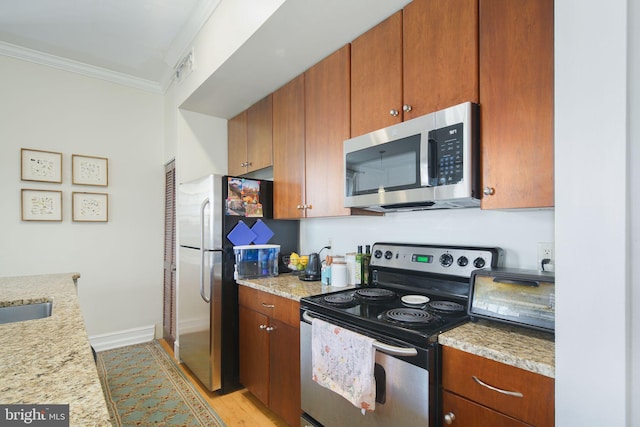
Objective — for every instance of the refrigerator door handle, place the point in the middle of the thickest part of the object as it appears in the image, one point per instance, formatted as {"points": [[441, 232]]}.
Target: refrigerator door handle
{"points": [[202, 250]]}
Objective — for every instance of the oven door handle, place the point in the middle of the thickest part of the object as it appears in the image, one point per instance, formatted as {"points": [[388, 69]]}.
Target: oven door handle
{"points": [[386, 348]]}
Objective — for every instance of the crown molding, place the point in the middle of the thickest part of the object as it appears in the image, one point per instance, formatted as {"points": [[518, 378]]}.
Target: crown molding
{"points": [[42, 58]]}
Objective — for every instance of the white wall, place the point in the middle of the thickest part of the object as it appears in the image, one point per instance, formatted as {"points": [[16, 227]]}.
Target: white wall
{"points": [[230, 25], [120, 261], [516, 232], [594, 357], [202, 146], [634, 205]]}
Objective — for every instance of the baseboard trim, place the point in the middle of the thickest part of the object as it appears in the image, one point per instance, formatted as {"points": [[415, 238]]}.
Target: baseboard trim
{"points": [[118, 339]]}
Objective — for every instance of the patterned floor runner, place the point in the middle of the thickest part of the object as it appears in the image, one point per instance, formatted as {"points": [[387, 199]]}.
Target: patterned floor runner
{"points": [[144, 387]]}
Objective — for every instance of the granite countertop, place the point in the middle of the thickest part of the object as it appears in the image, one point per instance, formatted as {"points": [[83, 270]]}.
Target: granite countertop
{"points": [[512, 345], [49, 361], [523, 348], [289, 286]]}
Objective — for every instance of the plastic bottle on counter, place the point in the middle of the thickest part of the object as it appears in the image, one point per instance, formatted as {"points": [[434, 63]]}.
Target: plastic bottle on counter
{"points": [[359, 265], [350, 259], [366, 259], [325, 275]]}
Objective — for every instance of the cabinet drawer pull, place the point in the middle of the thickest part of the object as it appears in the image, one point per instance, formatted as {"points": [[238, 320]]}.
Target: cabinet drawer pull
{"points": [[264, 304], [490, 387], [449, 418]]}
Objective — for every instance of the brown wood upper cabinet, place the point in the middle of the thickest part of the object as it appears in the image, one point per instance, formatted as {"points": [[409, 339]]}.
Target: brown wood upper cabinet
{"points": [[288, 150], [250, 138], [311, 122], [516, 98], [419, 60]]}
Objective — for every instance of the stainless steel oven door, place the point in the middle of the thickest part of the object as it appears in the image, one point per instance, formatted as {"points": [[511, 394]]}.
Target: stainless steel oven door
{"points": [[402, 393]]}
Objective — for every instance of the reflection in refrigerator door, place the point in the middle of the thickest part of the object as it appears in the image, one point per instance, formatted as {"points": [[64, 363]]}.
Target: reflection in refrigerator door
{"points": [[197, 330]]}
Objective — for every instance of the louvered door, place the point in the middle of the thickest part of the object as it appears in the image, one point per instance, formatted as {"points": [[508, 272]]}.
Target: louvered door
{"points": [[169, 307]]}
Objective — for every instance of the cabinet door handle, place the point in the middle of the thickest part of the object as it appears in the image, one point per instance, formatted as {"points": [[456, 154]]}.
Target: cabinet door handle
{"points": [[263, 327], [264, 304], [488, 191], [490, 387], [308, 206], [269, 328], [449, 418], [406, 108], [394, 112]]}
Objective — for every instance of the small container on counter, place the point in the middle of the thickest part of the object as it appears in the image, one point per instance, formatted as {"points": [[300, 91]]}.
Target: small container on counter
{"points": [[339, 274], [256, 260]]}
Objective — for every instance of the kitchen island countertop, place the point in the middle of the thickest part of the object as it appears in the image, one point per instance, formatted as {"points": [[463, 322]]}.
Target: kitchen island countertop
{"points": [[49, 360], [289, 286], [527, 349]]}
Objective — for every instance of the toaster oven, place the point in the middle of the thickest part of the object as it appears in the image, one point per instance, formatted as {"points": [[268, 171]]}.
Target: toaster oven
{"points": [[521, 297]]}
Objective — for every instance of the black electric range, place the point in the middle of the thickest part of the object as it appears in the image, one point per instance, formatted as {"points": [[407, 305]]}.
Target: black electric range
{"points": [[415, 292]]}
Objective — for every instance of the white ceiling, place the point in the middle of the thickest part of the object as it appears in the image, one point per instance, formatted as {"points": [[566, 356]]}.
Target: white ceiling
{"points": [[140, 40]]}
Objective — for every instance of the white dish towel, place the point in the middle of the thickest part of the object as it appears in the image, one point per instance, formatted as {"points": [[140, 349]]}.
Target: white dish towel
{"points": [[343, 361]]}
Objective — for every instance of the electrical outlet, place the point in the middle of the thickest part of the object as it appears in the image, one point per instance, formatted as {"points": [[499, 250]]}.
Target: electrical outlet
{"points": [[545, 252]]}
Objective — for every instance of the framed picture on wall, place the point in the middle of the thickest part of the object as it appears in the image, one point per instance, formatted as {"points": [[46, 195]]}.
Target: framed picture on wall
{"points": [[42, 166], [90, 207], [89, 170], [41, 205]]}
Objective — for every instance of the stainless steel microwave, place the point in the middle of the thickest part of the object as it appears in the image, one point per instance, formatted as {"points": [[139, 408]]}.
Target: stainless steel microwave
{"points": [[430, 162]]}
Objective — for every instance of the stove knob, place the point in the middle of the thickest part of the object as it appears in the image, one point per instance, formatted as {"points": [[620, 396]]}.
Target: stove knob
{"points": [[446, 260], [388, 255], [463, 261], [478, 262], [377, 253]]}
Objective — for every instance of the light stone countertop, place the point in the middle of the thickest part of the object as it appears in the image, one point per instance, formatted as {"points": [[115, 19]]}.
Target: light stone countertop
{"points": [[49, 361], [289, 286], [527, 349]]}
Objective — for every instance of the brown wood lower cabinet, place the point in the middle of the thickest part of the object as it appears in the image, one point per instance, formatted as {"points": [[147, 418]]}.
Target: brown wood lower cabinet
{"points": [[463, 412], [270, 351], [482, 392]]}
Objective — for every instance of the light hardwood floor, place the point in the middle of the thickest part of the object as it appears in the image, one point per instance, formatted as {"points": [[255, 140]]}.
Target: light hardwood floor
{"points": [[238, 408]]}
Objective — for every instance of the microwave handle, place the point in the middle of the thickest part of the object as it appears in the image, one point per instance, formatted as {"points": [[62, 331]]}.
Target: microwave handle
{"points": [[432, 163]]}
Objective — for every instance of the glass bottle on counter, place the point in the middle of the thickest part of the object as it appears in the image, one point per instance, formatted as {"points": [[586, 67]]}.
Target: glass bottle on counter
{"points": [[359, 265], [366, 259]]}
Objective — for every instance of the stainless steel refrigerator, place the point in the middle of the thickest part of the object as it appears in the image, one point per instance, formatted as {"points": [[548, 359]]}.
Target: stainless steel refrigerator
{"points": [[214, 213]]}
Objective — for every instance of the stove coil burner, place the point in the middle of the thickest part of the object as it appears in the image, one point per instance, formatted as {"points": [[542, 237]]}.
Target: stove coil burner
{"points": [[408, 317], [375, 294], [446, 307], [340, 299]]}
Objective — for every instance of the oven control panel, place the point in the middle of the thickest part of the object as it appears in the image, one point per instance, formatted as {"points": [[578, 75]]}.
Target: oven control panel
{"points": [[438, 259]]}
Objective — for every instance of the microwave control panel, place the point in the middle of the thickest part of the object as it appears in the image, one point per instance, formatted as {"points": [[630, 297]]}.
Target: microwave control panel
{"points": [[448, 152]]}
